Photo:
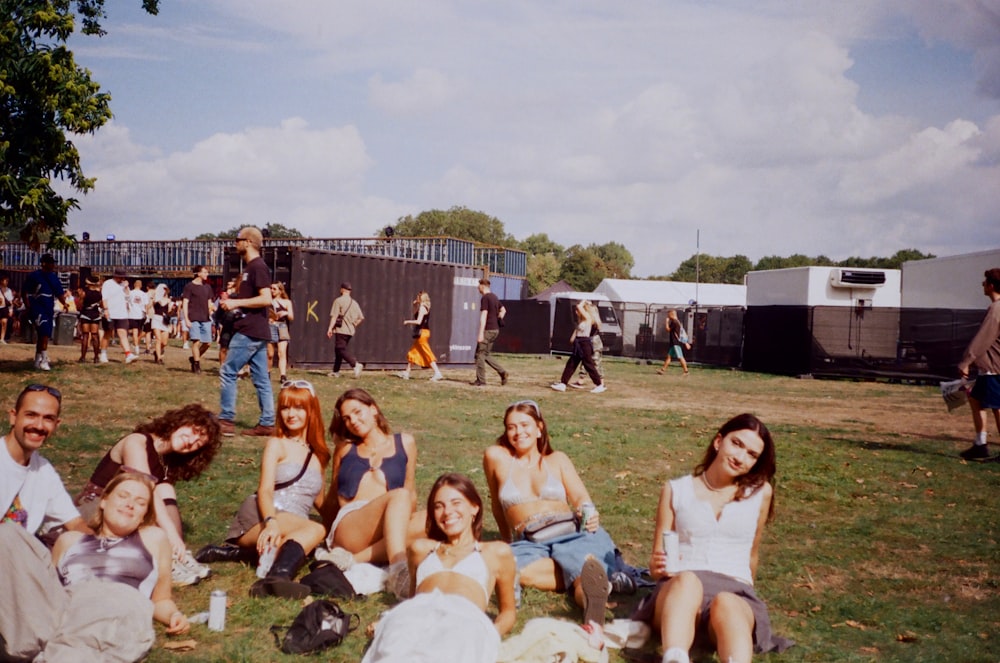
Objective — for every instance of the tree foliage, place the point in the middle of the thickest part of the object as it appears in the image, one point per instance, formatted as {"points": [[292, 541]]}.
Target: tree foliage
{"points": [[539, 244], [272, 230], [719, 269], [45, 98], [543, 271], [459, 222]]}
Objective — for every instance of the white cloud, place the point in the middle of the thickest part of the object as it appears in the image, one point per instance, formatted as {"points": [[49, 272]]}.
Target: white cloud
{"points": [[424, 91], [640, 122]]}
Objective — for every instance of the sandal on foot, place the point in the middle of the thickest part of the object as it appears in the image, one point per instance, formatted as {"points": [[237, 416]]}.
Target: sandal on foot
{"points": [[595, 587], [660, 371]]}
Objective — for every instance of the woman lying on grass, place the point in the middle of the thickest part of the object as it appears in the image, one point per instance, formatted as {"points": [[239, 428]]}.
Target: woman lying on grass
{"points": [[452, 576], [718, 514], [176, 446]]}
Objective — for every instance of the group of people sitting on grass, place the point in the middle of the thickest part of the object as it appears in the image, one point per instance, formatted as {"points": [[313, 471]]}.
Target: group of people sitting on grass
{"points": [[550, 531]]}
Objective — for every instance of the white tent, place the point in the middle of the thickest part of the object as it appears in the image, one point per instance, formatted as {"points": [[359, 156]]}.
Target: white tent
{"points": [[673, 293]]}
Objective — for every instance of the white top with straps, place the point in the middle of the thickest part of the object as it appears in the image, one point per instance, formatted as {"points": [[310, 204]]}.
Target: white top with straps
{"points": [[471, 566]]}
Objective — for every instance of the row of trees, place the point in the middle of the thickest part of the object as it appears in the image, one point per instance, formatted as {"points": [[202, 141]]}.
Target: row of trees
{"points": [[717, 269], [583, 267]]}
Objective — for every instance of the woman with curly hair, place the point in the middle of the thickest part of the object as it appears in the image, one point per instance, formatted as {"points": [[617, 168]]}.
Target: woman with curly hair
{"points": [[176, 446]]}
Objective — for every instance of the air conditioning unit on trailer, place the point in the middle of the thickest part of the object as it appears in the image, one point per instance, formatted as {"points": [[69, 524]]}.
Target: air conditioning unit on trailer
{"points": [[857, 278]]}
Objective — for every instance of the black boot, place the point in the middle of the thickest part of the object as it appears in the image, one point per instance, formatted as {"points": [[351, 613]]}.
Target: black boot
{"points": [[226, 552], [280, 580]]}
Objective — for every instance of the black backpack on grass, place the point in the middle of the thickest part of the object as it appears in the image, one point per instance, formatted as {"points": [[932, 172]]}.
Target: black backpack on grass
{"points": [[320, 625]]}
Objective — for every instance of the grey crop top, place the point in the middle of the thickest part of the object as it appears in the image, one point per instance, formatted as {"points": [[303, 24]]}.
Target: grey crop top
{"points": [[471, 566], [511, 494], [298, 497], [124, 560]]}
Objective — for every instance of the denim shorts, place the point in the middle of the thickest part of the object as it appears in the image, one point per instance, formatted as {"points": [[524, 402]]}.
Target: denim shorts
{"points": [[568, 551], [200, 331], [986, 391]]}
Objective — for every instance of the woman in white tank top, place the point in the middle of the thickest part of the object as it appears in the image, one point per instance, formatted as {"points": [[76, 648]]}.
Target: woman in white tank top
{"points": [[718, 514]]}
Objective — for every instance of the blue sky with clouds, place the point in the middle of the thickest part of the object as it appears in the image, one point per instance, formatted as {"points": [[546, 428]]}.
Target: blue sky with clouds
{"points": [[856, 127]]}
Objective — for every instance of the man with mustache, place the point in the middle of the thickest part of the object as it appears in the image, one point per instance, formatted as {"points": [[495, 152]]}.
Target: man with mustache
{"points": [[31, 492]]}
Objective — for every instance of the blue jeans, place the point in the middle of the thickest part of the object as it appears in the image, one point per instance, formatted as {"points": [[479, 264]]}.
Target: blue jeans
{"points": [[569, 552], [244, 350]]}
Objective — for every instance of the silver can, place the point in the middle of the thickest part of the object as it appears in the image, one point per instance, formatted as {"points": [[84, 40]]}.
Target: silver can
{"points": [[217, 610], [671, 547], [587, 509]]}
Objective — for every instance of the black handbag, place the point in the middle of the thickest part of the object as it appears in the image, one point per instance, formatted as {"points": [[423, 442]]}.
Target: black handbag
{"points": [[320, 625], [326, 579]]}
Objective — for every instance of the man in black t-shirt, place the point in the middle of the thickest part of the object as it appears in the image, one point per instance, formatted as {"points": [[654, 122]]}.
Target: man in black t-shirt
{"points": [[491, 312], [197, 315], [251, 336]]}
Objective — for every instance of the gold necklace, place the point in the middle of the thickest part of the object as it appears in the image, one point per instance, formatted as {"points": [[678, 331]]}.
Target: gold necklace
{"points": [[704, 480]]}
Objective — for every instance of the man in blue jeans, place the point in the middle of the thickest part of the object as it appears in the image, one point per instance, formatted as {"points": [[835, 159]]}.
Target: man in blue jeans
{"points": [[251, 335]]}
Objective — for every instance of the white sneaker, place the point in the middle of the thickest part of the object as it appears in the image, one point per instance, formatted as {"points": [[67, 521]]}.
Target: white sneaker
{"points": [[558, 386], [342, 558], [599, 389], [333, 375], [404, 375], [104, 357], [187, 346], [130, 357], [188, 561], [437, 377], [44, 365], [358, 367], [182, 576]]}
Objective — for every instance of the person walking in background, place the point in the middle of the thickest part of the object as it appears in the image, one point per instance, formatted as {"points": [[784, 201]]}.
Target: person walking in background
{"points": [[984, 353], [583, 350], [40, 292], [114, 294], [90, 319], [345, 318], [160, 305], [491, 315], [225, 320], [138, 302], [281, 315], [251, 335], [196, 310], [6, 307], [677, 342], [598, 346], [718, 515], [420, 353]]}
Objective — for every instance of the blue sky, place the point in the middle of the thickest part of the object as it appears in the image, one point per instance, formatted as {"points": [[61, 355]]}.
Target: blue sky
{"points": [[857, 127]]}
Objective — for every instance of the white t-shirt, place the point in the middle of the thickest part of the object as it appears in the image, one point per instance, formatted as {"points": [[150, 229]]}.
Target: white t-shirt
{"points": [[138, 300], [113, 294], [42, 493]]}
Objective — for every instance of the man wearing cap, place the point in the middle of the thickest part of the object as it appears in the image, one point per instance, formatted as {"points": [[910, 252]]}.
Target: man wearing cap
{"points": [[251, 336], [40, 291], [114, 296], [345, 318]]}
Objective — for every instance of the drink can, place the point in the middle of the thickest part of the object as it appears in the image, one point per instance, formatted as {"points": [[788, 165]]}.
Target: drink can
{"points": [[217, 610], [587, 510], [671, 547], [265, 561]]}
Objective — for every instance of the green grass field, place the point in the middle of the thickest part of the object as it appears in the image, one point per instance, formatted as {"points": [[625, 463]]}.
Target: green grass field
{"points": [[884, 546]]}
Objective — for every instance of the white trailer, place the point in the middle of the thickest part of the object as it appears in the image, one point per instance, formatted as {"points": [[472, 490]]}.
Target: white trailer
{"points": [[952, 282]]}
